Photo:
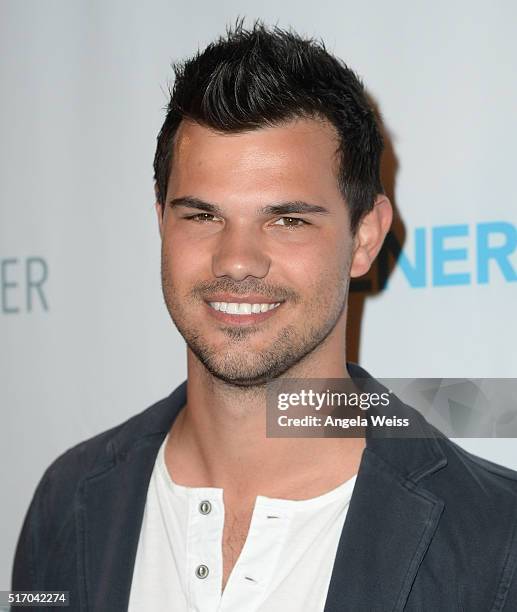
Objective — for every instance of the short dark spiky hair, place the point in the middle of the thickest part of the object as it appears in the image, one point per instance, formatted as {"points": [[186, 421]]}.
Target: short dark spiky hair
{"points": [[263, 76]]}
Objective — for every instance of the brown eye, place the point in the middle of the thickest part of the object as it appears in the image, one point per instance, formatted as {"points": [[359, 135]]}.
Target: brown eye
{"points": [[291, 222], [202, 217]]}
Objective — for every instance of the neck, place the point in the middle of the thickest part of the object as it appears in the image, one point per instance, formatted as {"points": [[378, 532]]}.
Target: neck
{"points": [[219, 439]]}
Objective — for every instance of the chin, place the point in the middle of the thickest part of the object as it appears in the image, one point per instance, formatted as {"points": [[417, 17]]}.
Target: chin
{"points": [[242, 382], [238, 372]]}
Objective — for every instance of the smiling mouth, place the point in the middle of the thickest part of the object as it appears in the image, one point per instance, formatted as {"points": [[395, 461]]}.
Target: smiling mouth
{"points": [[243, 308]]}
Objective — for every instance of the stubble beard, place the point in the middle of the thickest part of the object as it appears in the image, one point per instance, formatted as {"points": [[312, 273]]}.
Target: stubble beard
{"points": [[239, 366]]}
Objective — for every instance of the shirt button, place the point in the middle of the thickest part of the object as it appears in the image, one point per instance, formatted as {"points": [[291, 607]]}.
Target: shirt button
{"points": [[201, 571], [205, 507]]}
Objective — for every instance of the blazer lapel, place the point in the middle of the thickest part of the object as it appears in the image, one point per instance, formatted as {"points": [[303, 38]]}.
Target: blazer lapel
{"points": [[109, 516], [389, 525], [110, 507], [391, 519]]}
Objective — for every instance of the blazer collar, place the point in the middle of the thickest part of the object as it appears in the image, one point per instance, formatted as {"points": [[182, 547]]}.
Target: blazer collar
{"points": [[110, 506], [412, 457], [390, 522], [391, 517]]}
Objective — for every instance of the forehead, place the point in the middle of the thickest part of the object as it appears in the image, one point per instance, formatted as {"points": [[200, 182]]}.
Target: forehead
{"points": [[293, 156]]}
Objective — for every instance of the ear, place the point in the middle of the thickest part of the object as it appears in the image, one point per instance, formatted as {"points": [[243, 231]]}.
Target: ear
{"points": [[370, 235], [159, 210]]}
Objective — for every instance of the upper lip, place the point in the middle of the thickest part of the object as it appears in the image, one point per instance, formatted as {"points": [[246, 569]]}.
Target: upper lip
{"points": [[241, 299]]}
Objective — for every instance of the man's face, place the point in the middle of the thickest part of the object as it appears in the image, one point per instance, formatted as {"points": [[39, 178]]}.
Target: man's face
{"points": [[256, 247]]}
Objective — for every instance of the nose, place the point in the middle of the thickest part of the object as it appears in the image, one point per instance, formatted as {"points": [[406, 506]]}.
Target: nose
{"points": [[240, 254]]}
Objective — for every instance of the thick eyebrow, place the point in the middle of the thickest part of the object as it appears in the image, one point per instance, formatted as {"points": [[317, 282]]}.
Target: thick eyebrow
{"points": [[282, 208], [190, 202], [286, 208]]}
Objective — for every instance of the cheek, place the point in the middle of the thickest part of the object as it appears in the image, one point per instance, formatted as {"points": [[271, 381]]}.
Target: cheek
{"points": [[182, 262], [317, 265]]}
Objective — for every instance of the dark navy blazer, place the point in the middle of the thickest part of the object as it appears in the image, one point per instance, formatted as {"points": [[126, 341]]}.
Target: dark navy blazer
{"points": [[430, 528]]}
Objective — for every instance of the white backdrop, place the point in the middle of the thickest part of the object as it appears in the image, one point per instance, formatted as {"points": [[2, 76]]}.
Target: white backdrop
{"points": [[85, 339]]}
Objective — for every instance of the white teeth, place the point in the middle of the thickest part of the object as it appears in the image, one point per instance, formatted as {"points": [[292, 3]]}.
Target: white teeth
{"points": [[242, 308], [232, 308]]}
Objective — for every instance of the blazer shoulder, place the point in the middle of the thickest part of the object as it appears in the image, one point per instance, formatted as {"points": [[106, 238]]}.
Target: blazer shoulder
{"points": [[483, 475], [49, 517], [97, 452]]}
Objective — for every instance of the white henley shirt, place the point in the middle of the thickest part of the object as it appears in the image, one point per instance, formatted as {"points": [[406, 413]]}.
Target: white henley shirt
{"points": [[285, 565]]}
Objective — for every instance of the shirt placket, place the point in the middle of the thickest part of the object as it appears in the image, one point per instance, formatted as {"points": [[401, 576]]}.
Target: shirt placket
{"points": [[253, 573], [204, 556]]}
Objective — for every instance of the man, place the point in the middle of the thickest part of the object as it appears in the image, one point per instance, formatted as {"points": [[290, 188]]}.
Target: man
{"points": [[268, 202]]}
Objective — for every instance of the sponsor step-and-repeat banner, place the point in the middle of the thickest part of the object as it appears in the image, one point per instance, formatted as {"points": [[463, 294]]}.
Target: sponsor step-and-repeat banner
{"points": [[86, 341], [22, 284]]}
